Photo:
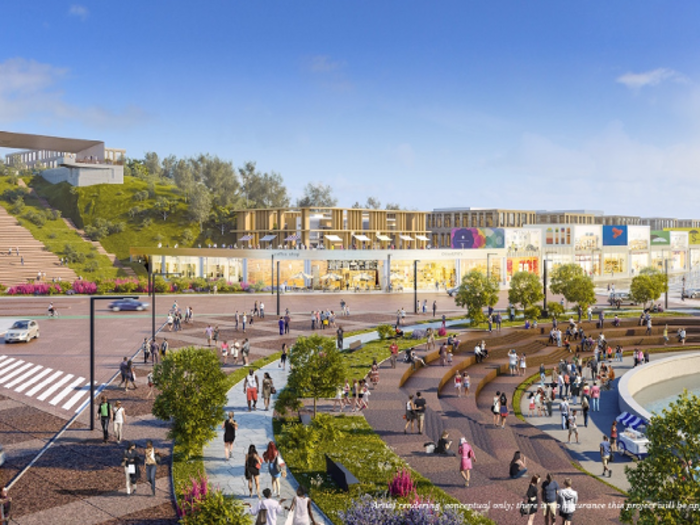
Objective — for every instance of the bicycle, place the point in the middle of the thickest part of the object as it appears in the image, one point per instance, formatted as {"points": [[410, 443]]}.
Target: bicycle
{"points": [[52, 313]]}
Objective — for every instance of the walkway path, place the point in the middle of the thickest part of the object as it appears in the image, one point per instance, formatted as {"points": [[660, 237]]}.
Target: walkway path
{"points": [[253, 428]]}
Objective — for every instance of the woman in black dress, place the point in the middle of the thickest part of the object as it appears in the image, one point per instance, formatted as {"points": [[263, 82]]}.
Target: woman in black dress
{"points": [[230, 426], [530, 505], [253, 462]]}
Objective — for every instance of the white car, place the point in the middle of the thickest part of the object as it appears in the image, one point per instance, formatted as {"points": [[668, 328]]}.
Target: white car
{"points": [[2, 456], [23, 330]]}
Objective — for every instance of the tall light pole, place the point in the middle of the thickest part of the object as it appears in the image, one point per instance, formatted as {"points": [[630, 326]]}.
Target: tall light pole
{"points": [[278, 288], [666, 295], [415, 286]]}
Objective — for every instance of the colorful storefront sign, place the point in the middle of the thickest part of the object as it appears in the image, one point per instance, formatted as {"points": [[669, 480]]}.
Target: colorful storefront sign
{"points": [[476, 238], [586, 238], [558, 236], [615, 235], [693, 234], [523, 239]]}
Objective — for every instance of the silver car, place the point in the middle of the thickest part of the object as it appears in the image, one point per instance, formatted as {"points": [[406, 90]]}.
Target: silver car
{"points": [[2, 456], [23, 330]]}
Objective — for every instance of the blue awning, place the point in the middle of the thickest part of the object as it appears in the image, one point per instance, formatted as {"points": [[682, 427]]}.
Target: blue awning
{"points": [[630, 420]]}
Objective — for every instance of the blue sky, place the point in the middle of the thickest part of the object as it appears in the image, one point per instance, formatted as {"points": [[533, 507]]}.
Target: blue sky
{"points": [[528, 105]]}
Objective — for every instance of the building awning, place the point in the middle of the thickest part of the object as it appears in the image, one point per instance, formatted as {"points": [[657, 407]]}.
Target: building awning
{"points": [[246, 238], [332, 238], [294, 237], [362, 238], [406, 237], [422, 238], [268, 238], [383, 237], [630, 420]]}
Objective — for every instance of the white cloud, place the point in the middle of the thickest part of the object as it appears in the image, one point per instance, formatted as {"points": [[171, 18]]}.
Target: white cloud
{"points": [[29, 91], [323, 64], [649, 78], [78, 11]]}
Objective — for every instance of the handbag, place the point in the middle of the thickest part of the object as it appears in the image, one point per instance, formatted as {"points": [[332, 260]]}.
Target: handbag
{"points": [[131, 468], [273, 390], [262, 517]]}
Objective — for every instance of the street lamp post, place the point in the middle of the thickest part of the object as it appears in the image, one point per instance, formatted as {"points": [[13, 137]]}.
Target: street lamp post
{"points": [[666, 294], [92, 349], [278, 288], [415, 286], [544, 285], [272, 276]]}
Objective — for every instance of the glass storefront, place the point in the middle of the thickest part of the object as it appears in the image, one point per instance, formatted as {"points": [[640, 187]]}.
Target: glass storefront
{"points": [[443, 273], [590, 262], [638, 261], [676, 260], [522, 264], [614, 263]]}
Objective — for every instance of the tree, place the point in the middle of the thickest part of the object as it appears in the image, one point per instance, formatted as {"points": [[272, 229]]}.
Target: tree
{"points": [[648, 286], [525, 289], [163, 207], [669, 473], [475, 293], [219, 176], [192, 396], [317, 195], [392, 206], [152, 163], [317, 368], [373, 204], [200, 204], [221, 218], [572, 282], [262, 190], [183, 175]]}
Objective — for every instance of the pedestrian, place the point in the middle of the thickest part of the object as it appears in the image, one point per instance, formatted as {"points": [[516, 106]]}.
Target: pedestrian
{"points": [[301, 509], [458, 383], [518, 465], [268, 388], [236, 319], [130, 462], [466, 382], [171, 321], [235, 350], [613, 439], [253, 462], [584, 408], [605, 454], [467, 456], [262, 310], [5, 506], [131, 375], [151, 460], [164, 348], [339, 337], [529, 508], [512, 361], [283, 357], [230, 426], [665, 335], [146, 350], [410, 415], [275, 466], [523, 364], [280, 324], [573, 428], [287, 320], [434, 308], [124, 371], [496, 408], [595, 397], [251, 387], [374, 374], [255, 308], [119, 418], [564, 410], [394, 349], [550, 495], [503, 407], [224, 352], [155, 355], [269, 506], [245, 351], [104, 414], [208, 333], [244, 320], [568, 499], [420, 404], [215, 337]]}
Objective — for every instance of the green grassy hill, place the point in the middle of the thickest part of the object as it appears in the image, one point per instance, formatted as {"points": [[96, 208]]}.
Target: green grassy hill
{"points": [[113, 203]]}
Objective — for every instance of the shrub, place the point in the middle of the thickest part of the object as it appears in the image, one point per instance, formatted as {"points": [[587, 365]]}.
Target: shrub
{"points": [[125, 285], [418, 334], [147, 222], [141, 195], [34, 289], [187, 236], [37, 218], [2, 287], [385, 330], [442, 332], [54, 215], [203, 505], [64, 286], [85, 287], [555, 309], [92, 267], [105, 287], [533, 312], [402, 486]]}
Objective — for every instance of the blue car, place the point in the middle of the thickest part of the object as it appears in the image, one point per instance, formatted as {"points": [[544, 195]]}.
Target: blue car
{"points": [[127, 304]]}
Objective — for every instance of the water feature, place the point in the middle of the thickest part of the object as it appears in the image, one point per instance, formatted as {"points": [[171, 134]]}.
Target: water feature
{"points": [[660, 395]]}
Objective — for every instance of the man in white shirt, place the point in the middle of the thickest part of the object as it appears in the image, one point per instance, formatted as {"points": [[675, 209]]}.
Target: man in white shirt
{"points": [[270, 505]]}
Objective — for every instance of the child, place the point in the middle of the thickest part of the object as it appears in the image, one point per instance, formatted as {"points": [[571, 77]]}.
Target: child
{"points": [[449, 357], [224, 351], [531, 412], [458, 384]]}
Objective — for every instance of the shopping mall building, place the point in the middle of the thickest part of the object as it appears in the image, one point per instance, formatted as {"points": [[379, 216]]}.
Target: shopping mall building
{"points": [[336, 248]]}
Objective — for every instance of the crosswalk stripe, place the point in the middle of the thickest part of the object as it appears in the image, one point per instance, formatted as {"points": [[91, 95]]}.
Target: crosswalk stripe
{"points": [[33, 380], [3, 358], [73, 400], [11, 367], [56, 400], [6, 363], [41, 385], [23, 376], [16, 372], [55, 387], [98, 391]]}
